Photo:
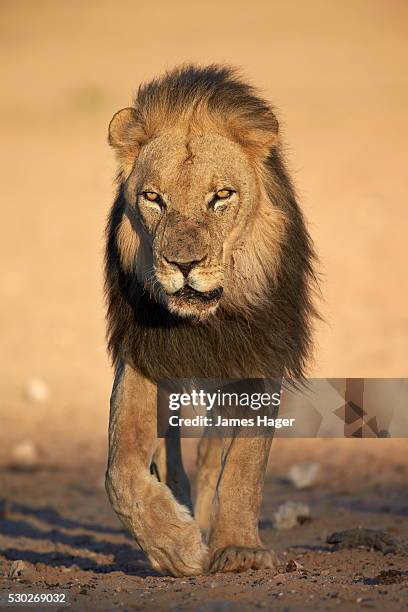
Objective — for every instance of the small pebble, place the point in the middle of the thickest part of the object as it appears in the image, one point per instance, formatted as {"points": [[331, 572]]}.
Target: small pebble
{"points": [[293, 566], [303, 475], [37, 391], [24, 455], [16, 569], [290, 514]]}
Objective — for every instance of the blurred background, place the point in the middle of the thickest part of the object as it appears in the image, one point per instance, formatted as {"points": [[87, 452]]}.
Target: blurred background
{"points": [[335, 72]]}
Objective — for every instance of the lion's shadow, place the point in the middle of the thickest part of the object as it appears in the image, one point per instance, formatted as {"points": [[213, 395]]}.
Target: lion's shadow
{"points": [[127, 558]]}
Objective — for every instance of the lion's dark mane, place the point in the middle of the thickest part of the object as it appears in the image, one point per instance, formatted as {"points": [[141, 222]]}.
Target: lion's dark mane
{"points": [[274, 339]]}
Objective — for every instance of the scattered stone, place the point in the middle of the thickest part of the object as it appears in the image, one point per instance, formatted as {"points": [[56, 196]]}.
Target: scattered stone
{"points": [[24, 455], [37, 391], [358, 578], [16, 569], [290, 514], [367, 538], [303, 475], [293, 566], [389, 577]]}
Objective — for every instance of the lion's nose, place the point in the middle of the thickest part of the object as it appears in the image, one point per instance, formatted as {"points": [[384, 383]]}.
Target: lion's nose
{"points": [[185, 267]]}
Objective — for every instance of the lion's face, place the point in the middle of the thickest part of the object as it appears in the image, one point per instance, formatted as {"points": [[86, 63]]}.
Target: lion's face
{"points": [[190, 201]]}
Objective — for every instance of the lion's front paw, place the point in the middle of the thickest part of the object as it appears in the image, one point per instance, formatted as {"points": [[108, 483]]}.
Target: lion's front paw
{"points": [[180, 554], [240, 559]]}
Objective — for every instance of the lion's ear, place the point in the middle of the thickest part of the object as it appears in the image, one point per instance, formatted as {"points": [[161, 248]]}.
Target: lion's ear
{"points": [[126, 136], [257, 134]]}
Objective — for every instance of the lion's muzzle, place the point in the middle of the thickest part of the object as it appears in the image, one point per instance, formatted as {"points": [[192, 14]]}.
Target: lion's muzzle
{"points": [[184, 242], [186, 266]]}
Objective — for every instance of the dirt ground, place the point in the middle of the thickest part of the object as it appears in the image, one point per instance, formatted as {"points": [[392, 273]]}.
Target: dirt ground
{"points": [[335, 73], [59, 523]]}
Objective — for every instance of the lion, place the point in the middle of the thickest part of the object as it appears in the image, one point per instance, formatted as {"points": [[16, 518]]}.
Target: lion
{"points": [[209, 273]]}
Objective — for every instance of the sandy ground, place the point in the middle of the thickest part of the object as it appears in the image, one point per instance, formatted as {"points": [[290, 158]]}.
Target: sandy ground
{"points": [[335, 73], [71, 541]]}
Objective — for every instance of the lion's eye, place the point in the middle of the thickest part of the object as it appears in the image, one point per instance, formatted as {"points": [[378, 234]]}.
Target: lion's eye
{"points": [[153, 201], [223, 194], [152, 196], [220, 198]]}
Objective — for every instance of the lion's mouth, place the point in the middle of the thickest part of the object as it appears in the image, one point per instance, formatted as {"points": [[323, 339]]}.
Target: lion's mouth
{"points": [[188, 294]]}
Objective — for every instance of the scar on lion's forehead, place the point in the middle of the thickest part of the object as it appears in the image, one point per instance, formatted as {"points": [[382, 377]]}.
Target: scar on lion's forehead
{"points": [[190, 155]]}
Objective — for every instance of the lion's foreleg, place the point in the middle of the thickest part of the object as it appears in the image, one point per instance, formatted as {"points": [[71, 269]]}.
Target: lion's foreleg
{"points": [[158, 466], [168, 467], [234, 539], [208, 471], [164, 528]]}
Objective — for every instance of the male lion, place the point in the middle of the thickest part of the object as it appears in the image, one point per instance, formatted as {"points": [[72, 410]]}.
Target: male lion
{"points": [[208, 274]]}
